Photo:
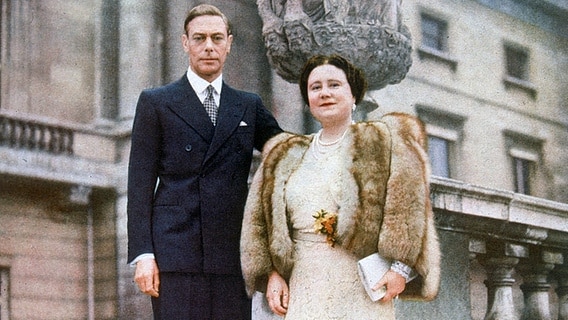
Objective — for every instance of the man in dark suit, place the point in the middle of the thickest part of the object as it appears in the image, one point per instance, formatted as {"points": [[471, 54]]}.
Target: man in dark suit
{"points": [[187, 181]]}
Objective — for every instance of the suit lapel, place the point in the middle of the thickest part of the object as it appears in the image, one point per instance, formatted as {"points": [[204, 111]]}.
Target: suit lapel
{"points": [[231, 110], [187, 106]]}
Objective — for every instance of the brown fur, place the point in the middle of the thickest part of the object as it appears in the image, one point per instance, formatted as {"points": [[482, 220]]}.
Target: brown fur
{"points": [[384, 207]]}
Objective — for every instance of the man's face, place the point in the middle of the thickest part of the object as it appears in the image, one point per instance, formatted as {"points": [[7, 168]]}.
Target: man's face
{"points": [[207, 44]]}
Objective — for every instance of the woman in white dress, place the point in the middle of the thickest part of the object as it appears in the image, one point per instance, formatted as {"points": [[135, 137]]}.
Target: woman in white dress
{"points": [[319, 203]]}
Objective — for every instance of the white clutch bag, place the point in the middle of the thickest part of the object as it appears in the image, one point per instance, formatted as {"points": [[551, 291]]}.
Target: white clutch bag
{"points": [[371, 269]]}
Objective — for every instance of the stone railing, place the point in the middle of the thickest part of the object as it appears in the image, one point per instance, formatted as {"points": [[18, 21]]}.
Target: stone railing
{"points": [[510, 236], [30, 134], [50, 149]]}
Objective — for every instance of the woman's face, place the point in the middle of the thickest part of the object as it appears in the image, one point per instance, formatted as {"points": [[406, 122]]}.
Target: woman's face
{"points": [[329, 95]]}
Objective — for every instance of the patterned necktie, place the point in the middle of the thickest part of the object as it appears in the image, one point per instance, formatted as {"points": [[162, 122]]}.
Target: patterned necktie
{"points": [[210, 106]]}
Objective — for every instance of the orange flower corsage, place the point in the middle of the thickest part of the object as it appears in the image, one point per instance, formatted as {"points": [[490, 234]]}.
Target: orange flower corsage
{"points": [[326, 223]]}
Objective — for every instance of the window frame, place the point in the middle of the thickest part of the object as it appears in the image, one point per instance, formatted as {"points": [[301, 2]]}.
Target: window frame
{"points": [[519, 79], [449, 138], [440, 36], [523, 169], [446, 126], [524, 163], [525, 154], [517, 62], [440, 52]]}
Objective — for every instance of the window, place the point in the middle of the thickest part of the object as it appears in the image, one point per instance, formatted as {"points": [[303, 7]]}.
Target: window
{"points": [[435, 41], [525, 156], [439, 153], [442, 146], [517, 63], [524, 164], [4, 293], [522, 173], [444, 138], [434, 33]]}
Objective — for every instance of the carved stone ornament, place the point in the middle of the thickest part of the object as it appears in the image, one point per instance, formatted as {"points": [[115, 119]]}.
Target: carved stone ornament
{"points": [[367, 32]]}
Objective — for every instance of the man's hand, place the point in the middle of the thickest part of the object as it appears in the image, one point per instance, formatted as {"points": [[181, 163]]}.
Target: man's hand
{"points": [[147, 276]]}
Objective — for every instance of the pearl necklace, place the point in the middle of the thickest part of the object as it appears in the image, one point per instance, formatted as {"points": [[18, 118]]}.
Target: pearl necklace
{"points": [[322, 148], [327, 144]]}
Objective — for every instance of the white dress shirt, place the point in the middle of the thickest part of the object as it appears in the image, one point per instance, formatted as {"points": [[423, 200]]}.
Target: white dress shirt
{"points": [[200, 85]]}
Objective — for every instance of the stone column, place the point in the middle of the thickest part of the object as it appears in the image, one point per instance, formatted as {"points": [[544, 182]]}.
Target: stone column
{"points": [[140, 44], [107, 57], [16, 82], [499, 287]]}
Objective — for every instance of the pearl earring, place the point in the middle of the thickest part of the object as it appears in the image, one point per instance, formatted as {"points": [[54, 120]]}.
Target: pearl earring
{"points": [[354, 107]]}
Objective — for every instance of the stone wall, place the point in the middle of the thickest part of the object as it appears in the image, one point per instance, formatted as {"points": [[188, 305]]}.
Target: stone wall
{"points": [[45, 249]]}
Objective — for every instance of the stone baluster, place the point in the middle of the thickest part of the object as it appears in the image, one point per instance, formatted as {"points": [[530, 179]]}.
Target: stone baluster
{"points": [[535, 285], [500, 263], [561, 275], [499, 284]]}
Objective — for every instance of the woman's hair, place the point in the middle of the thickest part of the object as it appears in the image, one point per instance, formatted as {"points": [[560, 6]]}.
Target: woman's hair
{"points": [[206, 10], [354, 75]]}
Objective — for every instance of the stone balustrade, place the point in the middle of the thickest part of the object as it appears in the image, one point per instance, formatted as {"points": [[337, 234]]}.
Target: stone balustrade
{"points": [[31, 134], [510, 234], [92, 155]]}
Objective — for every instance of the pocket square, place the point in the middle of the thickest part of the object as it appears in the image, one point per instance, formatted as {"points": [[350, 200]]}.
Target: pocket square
{"points": [[243, 124]]}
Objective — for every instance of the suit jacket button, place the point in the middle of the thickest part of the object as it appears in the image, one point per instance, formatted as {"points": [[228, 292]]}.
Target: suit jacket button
{"points": [[188, 148]]}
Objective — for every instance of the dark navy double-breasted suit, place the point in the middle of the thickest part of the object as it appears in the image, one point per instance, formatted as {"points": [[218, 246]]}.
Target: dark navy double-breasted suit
{"points": [[191, 219]]}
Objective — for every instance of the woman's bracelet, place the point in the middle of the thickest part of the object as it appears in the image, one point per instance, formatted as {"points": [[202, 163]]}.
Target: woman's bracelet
{"points": [[402, 269]]}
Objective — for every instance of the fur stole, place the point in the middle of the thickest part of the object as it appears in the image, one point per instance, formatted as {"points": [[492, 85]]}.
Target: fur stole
{"points": [[384, 206]]}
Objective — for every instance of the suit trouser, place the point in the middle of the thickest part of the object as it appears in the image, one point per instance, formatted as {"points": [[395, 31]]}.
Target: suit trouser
{"points": [[190, 296]]}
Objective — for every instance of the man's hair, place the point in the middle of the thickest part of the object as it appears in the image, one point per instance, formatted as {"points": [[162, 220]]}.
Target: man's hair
{"points": [[206, 10], [355, 76]]}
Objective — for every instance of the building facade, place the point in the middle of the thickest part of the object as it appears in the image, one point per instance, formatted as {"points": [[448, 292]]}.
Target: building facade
{"points": [[489, 79]]}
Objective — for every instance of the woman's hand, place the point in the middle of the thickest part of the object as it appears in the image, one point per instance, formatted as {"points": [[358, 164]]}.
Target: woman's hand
{"points": [[395, 284], [277, 293]]}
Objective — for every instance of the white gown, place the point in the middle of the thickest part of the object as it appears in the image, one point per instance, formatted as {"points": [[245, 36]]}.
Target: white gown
{"points": [[324, 283]]}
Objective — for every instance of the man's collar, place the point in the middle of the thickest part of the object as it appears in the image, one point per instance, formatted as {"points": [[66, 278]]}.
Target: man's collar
{"points": [[199, 84]]}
